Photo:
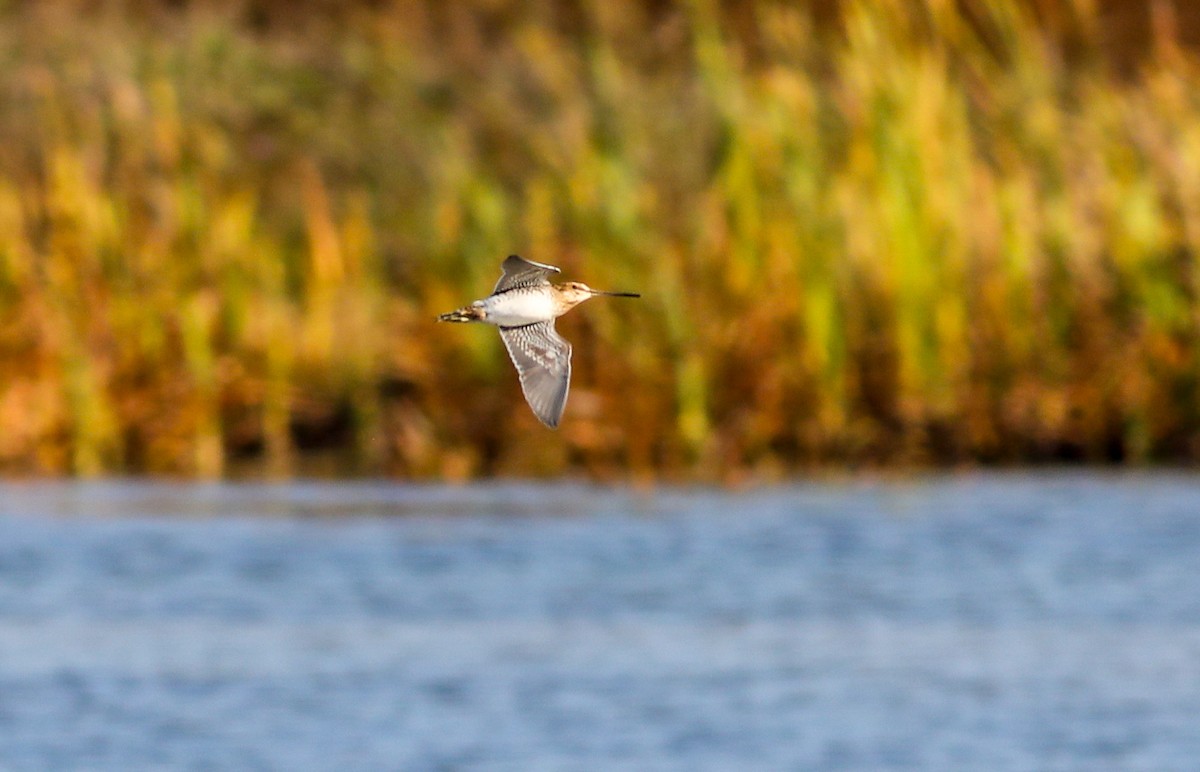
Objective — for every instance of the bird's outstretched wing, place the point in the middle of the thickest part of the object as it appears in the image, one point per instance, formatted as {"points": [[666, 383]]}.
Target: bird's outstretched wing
{"points": [[519, 272], [543, 360]]}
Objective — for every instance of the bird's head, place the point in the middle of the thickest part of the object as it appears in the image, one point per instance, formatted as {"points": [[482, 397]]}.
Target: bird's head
{"points": [[575, 292]]}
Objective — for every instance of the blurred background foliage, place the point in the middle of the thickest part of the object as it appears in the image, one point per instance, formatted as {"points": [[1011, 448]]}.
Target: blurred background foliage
{"points": [[868, 233]]}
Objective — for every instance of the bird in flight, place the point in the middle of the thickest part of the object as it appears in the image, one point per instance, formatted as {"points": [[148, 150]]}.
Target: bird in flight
{"points": [[524, 305]]}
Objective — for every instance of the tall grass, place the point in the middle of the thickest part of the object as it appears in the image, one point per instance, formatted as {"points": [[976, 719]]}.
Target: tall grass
{"points": [[911, 234]]}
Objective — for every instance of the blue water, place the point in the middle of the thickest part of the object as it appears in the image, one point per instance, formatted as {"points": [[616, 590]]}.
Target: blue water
{"points": [[990, 622]]}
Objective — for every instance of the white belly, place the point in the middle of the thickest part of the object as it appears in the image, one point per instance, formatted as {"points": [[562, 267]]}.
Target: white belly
{"points": [[514, 309]]}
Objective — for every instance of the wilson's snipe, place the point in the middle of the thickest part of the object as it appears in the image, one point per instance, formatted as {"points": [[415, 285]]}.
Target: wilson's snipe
{"points": [[524, 305]]}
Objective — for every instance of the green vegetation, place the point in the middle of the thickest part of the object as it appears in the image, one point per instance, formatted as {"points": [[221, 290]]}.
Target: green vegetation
{"points": [[894, 234]]}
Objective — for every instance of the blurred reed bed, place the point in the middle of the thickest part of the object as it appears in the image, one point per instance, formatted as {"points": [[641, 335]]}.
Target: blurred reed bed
{"points": [[870, 233]]}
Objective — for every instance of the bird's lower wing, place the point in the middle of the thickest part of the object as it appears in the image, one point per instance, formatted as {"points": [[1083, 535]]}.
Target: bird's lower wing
{"points": [[543, 360]]}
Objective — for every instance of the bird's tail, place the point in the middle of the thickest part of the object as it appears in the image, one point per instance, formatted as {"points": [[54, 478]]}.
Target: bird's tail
{"points": [[464, 314]]}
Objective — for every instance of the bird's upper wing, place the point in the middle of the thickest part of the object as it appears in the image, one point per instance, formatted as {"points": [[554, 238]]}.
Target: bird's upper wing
{"points": [[543, 360], [519, 272]]}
